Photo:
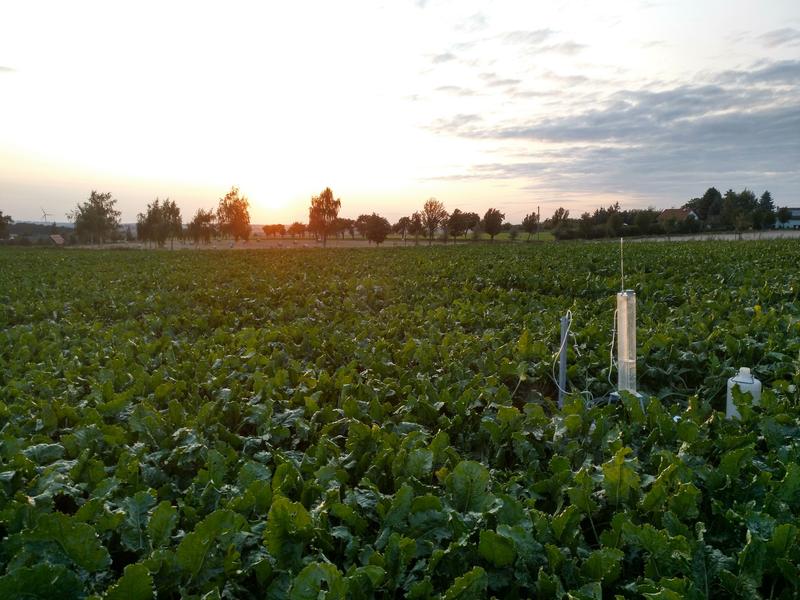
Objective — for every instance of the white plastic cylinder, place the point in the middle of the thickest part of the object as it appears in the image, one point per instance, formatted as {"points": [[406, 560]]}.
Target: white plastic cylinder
{"points": [[626, 341], [747, 383]]}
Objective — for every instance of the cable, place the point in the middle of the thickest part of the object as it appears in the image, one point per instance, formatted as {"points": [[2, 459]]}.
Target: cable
{"points": [[611, 349], [560, 350]]}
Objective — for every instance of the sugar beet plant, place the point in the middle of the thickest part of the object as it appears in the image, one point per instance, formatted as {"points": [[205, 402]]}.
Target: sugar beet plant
{"points": [[359, 424]]}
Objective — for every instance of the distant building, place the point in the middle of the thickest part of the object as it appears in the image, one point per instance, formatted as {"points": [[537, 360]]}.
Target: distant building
{"points": [[792, 223], [677, 215], [57, 239]]}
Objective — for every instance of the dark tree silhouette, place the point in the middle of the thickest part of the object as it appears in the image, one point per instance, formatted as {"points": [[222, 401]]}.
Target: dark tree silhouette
{"points": [[233, 215], [322, 214], [96, 220], [493, 222], [160, 223], [530, 223], [377, 228], [5, 221], [201, 227], [432, 217]]}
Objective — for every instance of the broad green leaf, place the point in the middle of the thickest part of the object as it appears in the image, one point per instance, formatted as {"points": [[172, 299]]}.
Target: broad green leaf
{"points": [[136, 583], [288, 529], [419, 463], [41, 582], [471, 585], [132, 530], [308, 585], [195, 547], [78, 541], [467, 486], [161, 524], [603, 565], [620, 480], [496, 549]]}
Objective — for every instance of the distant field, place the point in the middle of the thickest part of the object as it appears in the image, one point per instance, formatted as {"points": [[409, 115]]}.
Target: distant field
{"points": [[375, 423]]}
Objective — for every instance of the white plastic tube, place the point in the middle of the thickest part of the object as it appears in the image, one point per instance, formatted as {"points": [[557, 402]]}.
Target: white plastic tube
{"points": [[626, 341]]}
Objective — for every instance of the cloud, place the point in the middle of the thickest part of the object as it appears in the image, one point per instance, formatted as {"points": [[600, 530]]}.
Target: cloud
{"points": [[530, 38], [473, 23], [569, 48], [777, 72], [739, 129], [493, 80], [455, 90], [443, 58], [778, 37]]}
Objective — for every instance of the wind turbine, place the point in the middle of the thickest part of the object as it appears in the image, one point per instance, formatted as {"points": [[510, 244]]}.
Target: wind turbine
{"points": [[45, 215]]}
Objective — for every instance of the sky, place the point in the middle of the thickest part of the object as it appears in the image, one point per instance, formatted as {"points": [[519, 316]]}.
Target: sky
{"points": [[512, 105]]}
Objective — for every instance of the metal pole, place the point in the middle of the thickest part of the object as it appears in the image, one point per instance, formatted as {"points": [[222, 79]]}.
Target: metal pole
{"points": [[562, 361]]}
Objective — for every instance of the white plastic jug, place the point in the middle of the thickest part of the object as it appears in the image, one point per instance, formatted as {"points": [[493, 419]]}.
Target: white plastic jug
{"points": [[747, 383]]}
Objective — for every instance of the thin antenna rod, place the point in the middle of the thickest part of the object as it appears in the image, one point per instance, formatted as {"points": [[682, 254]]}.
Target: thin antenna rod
{"points": [[621, 266]]}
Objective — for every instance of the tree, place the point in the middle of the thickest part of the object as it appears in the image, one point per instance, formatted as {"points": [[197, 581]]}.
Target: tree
{"points": [[274, 230], [297, 228], [343, 226], [709, 205], [559, 217], [530, 224], [233, 215], [784, 215], [471, 222], [96, 220], [377, 228], [402, 227], [173, 221], [360, 225], [585, 225], [322, 214], [766, 202], [493, 222], [416, 228], [455, 225], [201, 227], [5, 221], [766, 210], [433, 215]]}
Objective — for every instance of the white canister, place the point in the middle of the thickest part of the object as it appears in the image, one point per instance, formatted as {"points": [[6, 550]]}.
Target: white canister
{"points": [[747, 384]]}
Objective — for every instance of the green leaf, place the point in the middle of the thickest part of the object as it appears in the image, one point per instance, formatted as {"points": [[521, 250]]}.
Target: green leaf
{"points": [[467, 486], [470, 586], [620, 480], [288, 529], [41, 582], [195, 547], [78, 541], [604, 565], [308, 585], [162, 522], [132, 530], [496, 549], [590, 591], [419, 463], [136, 583], [566, 523]]}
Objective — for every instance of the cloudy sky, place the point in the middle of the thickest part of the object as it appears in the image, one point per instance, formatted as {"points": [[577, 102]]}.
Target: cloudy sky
{"points": [[493, 103]]}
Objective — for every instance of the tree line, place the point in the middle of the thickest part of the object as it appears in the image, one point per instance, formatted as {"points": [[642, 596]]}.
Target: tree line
{"points": [[713, 211], [97, 220]]}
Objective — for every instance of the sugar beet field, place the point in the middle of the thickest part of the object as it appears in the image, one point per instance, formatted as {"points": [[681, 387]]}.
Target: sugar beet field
{"points": [[383, 424]]}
